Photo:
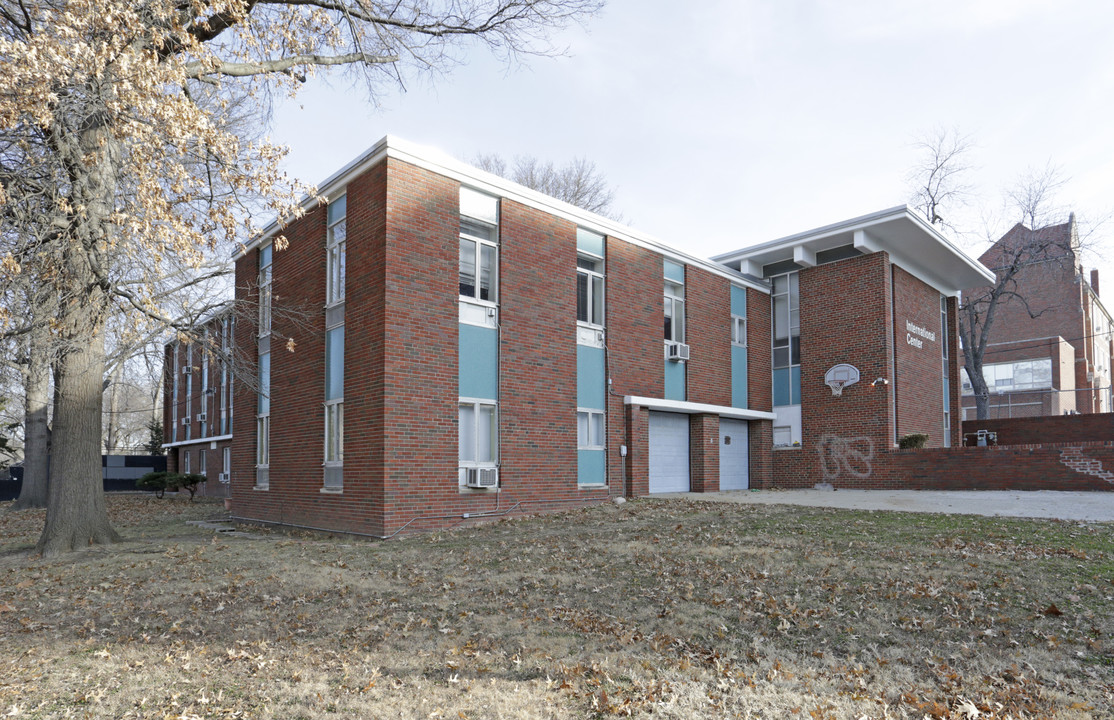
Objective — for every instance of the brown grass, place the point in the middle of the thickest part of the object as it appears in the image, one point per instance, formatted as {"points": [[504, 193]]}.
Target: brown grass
{"points": [[655, 608]]}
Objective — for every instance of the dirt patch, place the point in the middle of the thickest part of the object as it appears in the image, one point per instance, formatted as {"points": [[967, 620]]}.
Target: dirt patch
{"points": [[669, 609]]}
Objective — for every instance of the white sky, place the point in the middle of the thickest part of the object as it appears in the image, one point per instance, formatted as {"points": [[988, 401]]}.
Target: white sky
{"points": [[725, 123]]}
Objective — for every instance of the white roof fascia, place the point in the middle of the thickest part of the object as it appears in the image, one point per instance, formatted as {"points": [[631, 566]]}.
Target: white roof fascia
{"points": [[444, 164], [197, 441], [797, 247], [690, 408]]}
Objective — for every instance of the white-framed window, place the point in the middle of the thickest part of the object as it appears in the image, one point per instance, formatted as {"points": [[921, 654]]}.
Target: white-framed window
{"points": [[479, 433], [786, 321], [226, 463], [334, 433], [479, 246], [186, 461], [1015, 376], [225, 376], [335, 245], [176, 350], [334, 407], [189, 388], [738, 330], [203, 429], [265, 278], [201, 462], [589, 429], [263, 414], [589, 290], [674, 311]]}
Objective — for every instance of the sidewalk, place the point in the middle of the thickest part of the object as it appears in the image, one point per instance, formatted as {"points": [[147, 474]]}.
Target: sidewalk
{"points": [[1083, 506]]}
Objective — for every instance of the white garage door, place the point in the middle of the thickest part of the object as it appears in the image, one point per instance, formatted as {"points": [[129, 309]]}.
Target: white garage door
{"points": [[669, 452], [734, 458]]}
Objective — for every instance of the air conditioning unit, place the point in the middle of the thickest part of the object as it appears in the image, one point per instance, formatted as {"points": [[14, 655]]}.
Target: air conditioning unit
{"points": [[200, 417], [481, 477], [187, 370], [678, 351], [223, 477], [185, 421]]}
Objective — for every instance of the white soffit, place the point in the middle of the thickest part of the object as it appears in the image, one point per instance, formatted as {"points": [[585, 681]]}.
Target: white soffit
{"points": [[912, 244]]}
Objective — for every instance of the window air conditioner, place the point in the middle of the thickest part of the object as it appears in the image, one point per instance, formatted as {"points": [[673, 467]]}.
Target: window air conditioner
{"points": [[201, 417], [187, 370], [678, 351], [185, 421], [223, 477], [482, 477]]}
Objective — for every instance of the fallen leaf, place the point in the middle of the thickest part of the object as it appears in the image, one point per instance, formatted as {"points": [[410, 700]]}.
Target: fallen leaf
{"points": [[1052, 610]]}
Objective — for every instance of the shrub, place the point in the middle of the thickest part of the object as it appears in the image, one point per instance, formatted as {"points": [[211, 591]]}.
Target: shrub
{"points": [[160, 482], [912, 440], [155, 482]]}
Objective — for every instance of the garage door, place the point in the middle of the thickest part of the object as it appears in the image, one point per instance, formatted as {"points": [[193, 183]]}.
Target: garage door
{"points": [[669, 452], [734, 458]]}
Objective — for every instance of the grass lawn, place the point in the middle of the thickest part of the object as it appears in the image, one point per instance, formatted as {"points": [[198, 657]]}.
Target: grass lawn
{"points": [[654, 608]]}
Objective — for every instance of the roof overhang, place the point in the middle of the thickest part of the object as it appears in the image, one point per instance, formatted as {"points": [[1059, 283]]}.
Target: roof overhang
{"points": [[444, 164], [691, 408], [912, 243]]}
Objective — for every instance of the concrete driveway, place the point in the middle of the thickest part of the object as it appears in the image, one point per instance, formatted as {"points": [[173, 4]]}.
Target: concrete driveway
{"points": [[1083, 506]]}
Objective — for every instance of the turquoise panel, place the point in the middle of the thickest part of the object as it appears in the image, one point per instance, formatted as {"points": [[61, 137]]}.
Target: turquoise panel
{"points": [[264, 384], [334, 363], [782, 381], [738, 376], [590, 378], [479, 362], [589, 242], [590, 467], [738, 301], [674, 271], [674, 380], [795, 385]]}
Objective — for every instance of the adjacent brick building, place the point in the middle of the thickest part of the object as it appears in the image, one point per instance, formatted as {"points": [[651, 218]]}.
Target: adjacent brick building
{"points": [[1051, 341]]}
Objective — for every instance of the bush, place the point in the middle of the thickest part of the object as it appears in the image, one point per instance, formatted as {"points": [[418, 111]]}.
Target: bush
{"points": [[912, 441], [160, 482]]}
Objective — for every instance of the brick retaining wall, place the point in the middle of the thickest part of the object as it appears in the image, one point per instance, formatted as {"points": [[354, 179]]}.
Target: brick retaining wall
{"points": [[1097, 427]]}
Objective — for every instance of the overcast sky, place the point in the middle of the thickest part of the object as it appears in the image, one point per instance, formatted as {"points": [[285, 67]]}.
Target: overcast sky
{"points": [[724, 123]]}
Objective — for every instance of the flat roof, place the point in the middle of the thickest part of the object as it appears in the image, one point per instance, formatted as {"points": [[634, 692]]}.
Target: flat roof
{"points": [[442, 163], [912, 243]]}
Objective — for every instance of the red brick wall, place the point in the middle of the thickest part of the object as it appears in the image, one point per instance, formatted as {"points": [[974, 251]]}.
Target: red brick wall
{"points": [[918, 382], [1095, 427], [1033, 467], [708, 310], [704, 452], [759, 381]]}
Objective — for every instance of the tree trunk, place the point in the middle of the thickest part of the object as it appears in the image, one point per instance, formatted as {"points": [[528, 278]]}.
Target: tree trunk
{"points": [[76, 515], [36, 432]]}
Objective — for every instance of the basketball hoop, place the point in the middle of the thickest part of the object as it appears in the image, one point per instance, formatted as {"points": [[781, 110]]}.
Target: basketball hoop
{"points": [[840, 376]]}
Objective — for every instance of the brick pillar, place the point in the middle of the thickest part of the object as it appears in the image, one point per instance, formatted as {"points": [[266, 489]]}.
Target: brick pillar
{"points": [[638, 452], [704, 453], [761, 438]]}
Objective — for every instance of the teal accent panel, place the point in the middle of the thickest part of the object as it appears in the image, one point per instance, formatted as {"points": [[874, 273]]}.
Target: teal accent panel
{"points": [[795, 385], [738, 376], [674, 271], [590, 378], [782, 381], [738, 301], [589, 242], [590, 467], [479, 362], [334, 363], [264, 384], [674, 380]]}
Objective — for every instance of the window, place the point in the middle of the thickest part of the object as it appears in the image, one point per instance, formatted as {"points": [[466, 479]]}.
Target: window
{"points": [[186, 462], [479, 433], [335, 243], [226, 464], [590, 429], [176, 350], [479, 238], [201, 456], [334, 407], [784, 298], [947, 375], [1022, 375], [589, 290], [674, 311], [225, 371], [263, 413], [738, 330], [189, 388], [265, 278], [204, 402]]}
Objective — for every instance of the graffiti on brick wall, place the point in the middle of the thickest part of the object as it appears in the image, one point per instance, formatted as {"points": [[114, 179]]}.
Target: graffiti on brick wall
{"points": [[849, 457], [1074, 458]]}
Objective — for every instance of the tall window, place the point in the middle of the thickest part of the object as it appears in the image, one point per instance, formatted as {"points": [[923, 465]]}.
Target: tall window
{"points": [[225, 365], [226, 464], [589, 429], [786, 339], [334, 407], [203, 425], [175, 349], [479, 434], [263, 419], [335, 248], [674, 311], [265, 290], [946, 376], [479, 246], [201, 462], [589, 289], [189, 388], [186, 462], [738, 330]]}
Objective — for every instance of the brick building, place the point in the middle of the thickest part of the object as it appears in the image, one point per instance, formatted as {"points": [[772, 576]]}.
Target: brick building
{"points": [[198, 382], [1050, 342], [436, 345], [872, 300]]}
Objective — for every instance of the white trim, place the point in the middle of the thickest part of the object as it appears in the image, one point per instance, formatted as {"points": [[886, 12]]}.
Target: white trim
{"points": [[195, 441], [443, 164], [691, 408]]}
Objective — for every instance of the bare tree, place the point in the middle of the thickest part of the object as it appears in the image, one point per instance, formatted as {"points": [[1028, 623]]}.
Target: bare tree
{"points": [[99, 110], [939, 180], [578, 182]]}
